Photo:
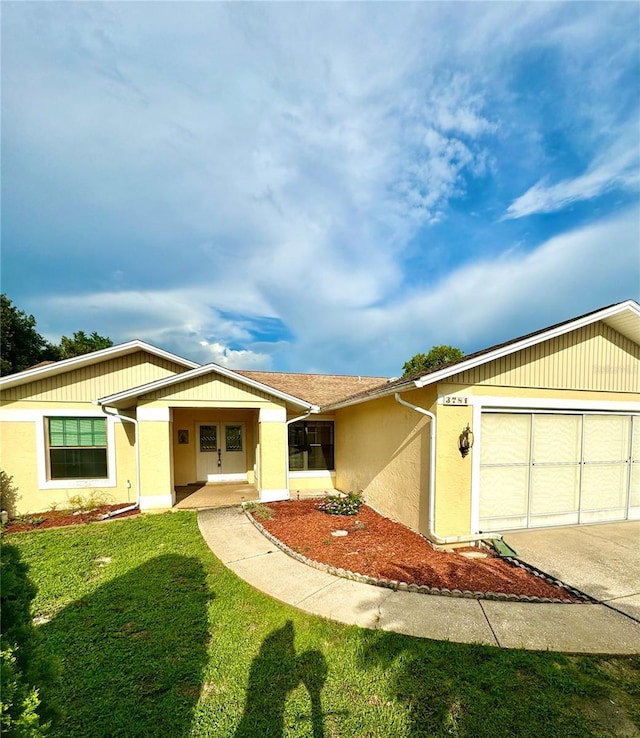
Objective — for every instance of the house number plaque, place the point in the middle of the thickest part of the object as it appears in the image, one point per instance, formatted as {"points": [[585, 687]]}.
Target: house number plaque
{"points": [[455, 400]]}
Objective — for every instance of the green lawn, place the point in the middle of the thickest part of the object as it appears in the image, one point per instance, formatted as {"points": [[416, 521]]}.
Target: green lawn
{"points": [[154, 637]]}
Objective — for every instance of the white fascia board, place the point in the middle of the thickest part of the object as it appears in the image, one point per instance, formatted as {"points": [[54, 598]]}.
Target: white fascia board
{"points": [[95, 357], [527, 343], [194, 374]]}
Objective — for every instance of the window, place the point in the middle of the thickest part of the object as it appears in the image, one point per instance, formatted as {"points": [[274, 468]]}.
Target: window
{"points": [[311, 445], [233, 435], [77, 448]]}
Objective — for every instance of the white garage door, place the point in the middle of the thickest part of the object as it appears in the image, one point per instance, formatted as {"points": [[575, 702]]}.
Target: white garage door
{"points": [[540, 469]]}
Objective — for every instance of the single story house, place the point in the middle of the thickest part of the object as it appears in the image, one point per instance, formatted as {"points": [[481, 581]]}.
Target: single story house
{"points": [[542, 430]]}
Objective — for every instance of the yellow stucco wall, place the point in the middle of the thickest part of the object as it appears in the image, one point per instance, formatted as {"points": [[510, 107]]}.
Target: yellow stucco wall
{"points": [[453, 473], [156, 465], [19, 459], [184, 455], [273, 455], [305, 484], [382, 448]]}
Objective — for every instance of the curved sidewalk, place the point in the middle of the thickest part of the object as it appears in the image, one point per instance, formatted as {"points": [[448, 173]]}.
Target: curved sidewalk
{"points": [[572, 628]]}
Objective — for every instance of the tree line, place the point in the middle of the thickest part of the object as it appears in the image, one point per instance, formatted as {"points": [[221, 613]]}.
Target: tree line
{"points": [[21, 346]]}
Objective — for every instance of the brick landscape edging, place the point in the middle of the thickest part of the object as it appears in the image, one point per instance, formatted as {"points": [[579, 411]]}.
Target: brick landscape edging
{"points": [[424, 589]]}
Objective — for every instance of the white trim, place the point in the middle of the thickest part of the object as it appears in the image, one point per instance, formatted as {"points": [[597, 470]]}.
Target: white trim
{"points": [[274, 495], [95, 357], [551, 403], [239, 477], [155, 502], [272, 415], [41, 452], [317, 474], [154, 413], [8, 415], [316, 416]]}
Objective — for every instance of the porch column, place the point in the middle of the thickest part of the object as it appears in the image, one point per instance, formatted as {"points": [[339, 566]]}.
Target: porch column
{"points": [[272, 432], [156, 458]]}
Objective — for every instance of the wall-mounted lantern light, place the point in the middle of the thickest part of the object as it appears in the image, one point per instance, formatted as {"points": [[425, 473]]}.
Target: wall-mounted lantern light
{"points": [[465, 441]]}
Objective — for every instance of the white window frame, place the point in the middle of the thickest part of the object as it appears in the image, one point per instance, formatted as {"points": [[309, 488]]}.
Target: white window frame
{"points": [[42, 451]]}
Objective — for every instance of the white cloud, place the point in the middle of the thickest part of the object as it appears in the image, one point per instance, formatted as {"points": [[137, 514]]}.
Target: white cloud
{"points": [[234, 359], [488, 301], [279, 160], [612, 170]]}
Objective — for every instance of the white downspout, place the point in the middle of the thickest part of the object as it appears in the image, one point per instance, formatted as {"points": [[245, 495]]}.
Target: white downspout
{"points": [[431, 534], [135, 506], [293, 420]]}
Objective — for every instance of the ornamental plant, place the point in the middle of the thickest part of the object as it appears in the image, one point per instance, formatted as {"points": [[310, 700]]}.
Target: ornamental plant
{"points": [[341, 504]]}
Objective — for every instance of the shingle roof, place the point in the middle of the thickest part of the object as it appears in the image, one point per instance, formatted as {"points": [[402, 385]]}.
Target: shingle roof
{"points": [[319, 389]]}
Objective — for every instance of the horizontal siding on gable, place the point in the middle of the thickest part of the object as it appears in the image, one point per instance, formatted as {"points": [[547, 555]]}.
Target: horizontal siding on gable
{"points": [[209, 388], [592, 358], [98, 380]]}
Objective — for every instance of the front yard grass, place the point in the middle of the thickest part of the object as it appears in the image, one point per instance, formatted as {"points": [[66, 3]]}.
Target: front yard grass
{"points": [[155, 637]]}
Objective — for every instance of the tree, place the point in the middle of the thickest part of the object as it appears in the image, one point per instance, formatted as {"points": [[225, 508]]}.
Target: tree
{"points": [[437, 356], [82, 344], [21, 345]]}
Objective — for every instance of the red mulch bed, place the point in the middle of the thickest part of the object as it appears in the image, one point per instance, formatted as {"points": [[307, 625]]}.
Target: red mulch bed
{"points": [[60, 518], [377, 547]]}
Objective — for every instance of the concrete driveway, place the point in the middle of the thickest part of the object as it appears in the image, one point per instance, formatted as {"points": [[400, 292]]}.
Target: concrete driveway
{"points": [[601, 560]]}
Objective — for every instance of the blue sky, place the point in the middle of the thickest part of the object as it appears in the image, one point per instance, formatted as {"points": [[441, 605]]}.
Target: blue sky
{"points": [[324, 187]]}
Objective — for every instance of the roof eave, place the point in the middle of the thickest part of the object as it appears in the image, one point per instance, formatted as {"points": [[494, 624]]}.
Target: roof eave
{"points": [[411, 384], [95, 357], [572, 325]]}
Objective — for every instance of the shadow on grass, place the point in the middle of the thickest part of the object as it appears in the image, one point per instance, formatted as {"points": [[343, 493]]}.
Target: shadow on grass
{"points": [[481, 691], [133, 652], [275, 672]]}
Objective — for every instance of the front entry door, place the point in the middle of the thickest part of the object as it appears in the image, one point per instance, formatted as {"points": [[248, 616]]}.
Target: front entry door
{"points": [[221, 455]]}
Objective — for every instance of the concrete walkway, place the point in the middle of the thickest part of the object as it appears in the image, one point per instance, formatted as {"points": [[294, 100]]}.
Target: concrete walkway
{"points": [[577, 628]]}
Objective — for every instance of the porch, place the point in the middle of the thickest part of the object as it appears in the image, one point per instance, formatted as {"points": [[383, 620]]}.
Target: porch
{"points": [[199, 496]]}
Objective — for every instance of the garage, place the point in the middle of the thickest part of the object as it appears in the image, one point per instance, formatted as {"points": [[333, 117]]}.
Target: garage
{"points": [[558, 468]]}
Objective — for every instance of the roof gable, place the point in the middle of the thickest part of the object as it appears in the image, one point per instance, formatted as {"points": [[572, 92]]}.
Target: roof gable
{"points": [[191, 379], [623, 317], [592, 357], [52, 369]]}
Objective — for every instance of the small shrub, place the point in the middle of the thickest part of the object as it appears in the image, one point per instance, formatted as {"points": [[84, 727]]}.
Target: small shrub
{"points": [[342, 505], [259, 511], [95, 499], [8, 493]]}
